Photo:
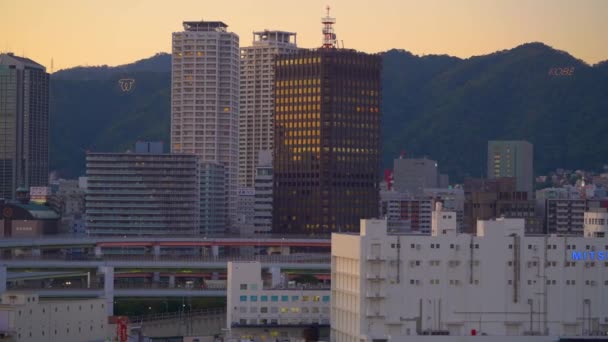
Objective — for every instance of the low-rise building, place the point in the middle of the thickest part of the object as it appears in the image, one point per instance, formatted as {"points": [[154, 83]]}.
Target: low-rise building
{"points": [[267, 310], [452, 199], [68, 201], [22, 218], [499, 282], [24, 317]]}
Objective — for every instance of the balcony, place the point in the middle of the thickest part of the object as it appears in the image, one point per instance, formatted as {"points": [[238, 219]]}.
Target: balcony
{"points": [[374, 314], [375, 258], [375, 295], [376, 277]]}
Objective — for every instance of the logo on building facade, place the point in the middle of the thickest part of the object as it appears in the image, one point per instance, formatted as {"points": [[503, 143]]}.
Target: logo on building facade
{"points": [[589, 256]]}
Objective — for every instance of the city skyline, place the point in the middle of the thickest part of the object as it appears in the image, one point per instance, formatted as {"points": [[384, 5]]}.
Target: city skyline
{"points": [[432, 27]]}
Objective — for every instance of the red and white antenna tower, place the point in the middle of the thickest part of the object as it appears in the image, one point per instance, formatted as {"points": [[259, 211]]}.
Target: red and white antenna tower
{"points": [[329, 37]]}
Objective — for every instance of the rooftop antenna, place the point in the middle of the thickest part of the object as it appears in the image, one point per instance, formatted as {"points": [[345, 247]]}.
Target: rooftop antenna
{"points": [[329, 37]]}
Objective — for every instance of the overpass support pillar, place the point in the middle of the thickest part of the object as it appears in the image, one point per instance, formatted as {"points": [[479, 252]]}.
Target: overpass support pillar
{"points": [[108, 287], [156, 277], [172, 281], [98, 253], [275, 272], [3, 279], [215, 251]]}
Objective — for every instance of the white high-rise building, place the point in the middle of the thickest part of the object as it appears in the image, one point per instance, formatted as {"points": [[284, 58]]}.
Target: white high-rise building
{"points": [[499, 282], [205, 74], [257, 97]]}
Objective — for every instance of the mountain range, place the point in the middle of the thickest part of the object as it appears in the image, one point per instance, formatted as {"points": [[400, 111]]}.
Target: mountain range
{"points": [[439, 106]]}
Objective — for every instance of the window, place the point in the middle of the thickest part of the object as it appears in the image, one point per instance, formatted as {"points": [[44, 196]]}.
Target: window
{"points": [[325, 299], [316, 298], [274, 309], [243, 298], [295, 310], [264, 309], [452, 246], [253, 287], [253, 298], [284, 310], [305, 298], [253, 309], [243, 287], [284, 298], [294, 298], [242, 309], [263, 298], [274, 298]]}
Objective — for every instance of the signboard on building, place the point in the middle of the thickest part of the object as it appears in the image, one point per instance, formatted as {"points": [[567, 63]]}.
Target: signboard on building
{"points": [[40, 194]]}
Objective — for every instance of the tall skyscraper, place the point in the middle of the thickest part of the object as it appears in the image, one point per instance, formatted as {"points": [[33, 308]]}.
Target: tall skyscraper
{"points": [[24, 124], [257, 97], [512, 159], [327, 138], [205, 99]]}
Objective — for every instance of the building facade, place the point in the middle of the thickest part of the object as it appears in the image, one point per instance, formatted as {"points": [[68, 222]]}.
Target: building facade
{"points": [[245, 210], [205, 71], [326, 140], [213, 205], [452, 199], [499, 282], [411, 175], [24, 124], [68, 201], [142, 194], [261, 310], [27, 318], [262, 206], [512, 159], [561, 210], [493, 198], [24, 219], [257, 97], [406, 213]]}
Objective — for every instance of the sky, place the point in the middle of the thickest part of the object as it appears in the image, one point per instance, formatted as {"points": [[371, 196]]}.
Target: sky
{"points": [[114, 32]]}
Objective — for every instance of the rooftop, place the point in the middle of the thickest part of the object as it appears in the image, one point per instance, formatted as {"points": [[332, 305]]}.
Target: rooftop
{"points": [[204, 26], [10, 59]]}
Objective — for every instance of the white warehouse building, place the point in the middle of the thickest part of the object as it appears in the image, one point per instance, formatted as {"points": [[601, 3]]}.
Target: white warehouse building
{"points": [[497, 283]]}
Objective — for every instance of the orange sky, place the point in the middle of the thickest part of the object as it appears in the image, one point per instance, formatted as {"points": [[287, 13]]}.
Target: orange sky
{"points": [[95, 32]]}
